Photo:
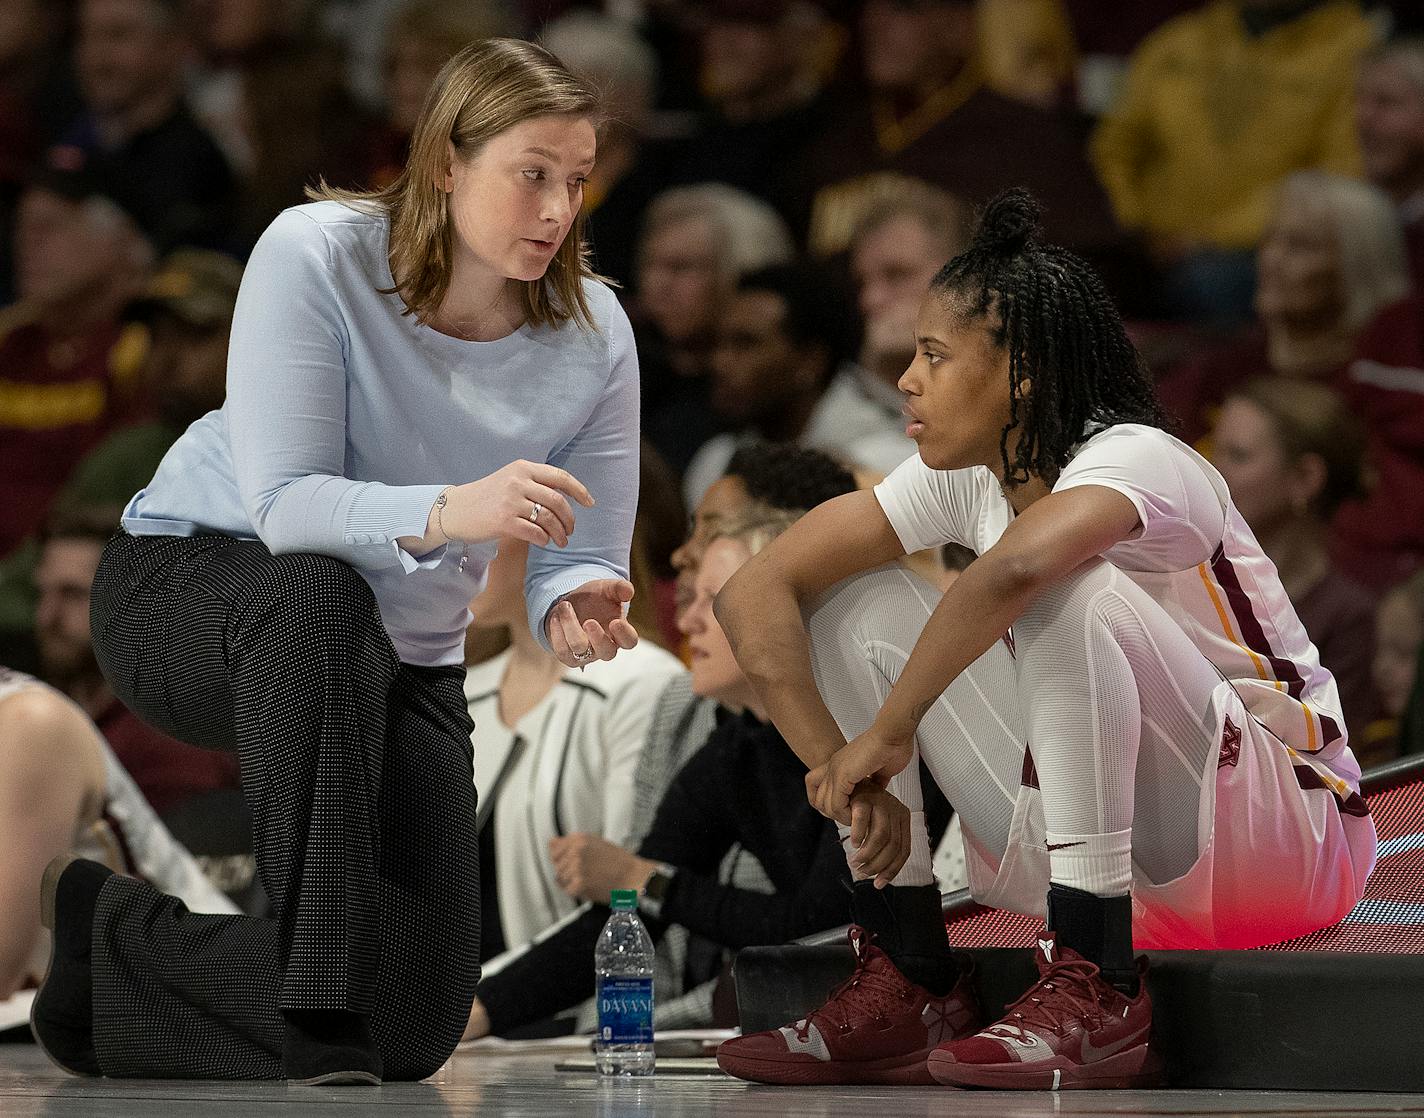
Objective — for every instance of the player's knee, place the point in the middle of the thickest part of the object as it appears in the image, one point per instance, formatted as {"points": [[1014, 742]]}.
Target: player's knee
{"points": [[888, 603], [326, 586], [1065, 609]]}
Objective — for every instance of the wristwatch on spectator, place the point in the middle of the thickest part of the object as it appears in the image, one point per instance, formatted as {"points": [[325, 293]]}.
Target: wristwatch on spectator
{"points": [[654, 891]]}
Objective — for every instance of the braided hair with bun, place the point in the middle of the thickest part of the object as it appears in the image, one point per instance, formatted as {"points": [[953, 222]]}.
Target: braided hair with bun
{"points": [[1064, 337]]}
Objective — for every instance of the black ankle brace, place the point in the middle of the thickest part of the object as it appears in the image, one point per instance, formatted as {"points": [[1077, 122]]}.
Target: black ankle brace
{"points": [[908, 925], [1097, 928]]}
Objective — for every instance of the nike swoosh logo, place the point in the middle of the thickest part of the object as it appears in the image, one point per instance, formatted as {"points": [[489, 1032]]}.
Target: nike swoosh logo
{"points": [[1091, 1053], [1061, 845], [1027, 1042]]}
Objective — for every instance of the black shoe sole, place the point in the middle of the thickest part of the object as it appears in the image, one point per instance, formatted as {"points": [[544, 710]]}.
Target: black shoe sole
{"points": [[49, 888]]}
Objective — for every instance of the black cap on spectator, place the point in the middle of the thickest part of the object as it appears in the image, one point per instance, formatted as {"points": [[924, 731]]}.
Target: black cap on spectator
{"points": [[67, 172]]}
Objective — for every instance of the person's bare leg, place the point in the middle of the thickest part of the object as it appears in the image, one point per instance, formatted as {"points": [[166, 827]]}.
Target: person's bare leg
{"points": [[51, 788]]}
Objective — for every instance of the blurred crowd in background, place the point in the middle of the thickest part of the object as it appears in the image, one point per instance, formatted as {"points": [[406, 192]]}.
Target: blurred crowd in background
{"points": [[776, 184]]}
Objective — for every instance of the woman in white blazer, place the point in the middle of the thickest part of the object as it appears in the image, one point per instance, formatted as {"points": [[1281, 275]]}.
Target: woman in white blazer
{"points": [[556, 749]]}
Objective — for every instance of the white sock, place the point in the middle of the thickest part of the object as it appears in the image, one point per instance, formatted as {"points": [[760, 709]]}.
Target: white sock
{"points": [[1097, 864]]}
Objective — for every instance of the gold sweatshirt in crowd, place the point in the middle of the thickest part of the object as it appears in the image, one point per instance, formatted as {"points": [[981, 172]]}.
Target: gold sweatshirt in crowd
{"points": [[1211, 118]]}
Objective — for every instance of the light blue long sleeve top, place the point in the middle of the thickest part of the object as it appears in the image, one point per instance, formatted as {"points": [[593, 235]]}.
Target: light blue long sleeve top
{"points": [[345, 419]]}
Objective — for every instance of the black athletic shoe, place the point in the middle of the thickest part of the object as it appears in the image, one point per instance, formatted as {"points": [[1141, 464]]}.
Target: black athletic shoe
{"points": [[62, 1016]]}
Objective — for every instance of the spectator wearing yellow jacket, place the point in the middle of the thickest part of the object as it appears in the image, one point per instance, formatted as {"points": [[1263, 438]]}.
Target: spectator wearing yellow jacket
{"points": [[1218, 106]]}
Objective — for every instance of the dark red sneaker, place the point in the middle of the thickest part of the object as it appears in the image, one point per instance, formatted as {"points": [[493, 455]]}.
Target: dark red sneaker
{"points": [[877, 1028], [1071, 1030]]}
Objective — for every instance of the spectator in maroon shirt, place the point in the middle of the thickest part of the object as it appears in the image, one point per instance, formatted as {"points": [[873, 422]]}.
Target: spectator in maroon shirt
{"points": [[68, 368], [167, 771], [1332, 257], [1396, 669], [1291, 453], [1389, 118], [1115, 27], [1380, 540], [930, 114]]}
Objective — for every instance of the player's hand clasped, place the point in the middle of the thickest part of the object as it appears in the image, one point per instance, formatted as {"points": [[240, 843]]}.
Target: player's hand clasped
{"points": [[850, 788], [879, 833], [874, 757], [530, 501]]}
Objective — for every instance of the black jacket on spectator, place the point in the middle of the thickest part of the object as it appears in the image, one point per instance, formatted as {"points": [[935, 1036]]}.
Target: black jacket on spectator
{"points": [[744, 786], [763, 157], [678, 416], [174, 174]]}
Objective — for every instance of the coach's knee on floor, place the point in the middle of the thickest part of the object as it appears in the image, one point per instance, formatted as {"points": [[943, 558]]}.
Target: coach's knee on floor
{"points": [[422, 1038]]}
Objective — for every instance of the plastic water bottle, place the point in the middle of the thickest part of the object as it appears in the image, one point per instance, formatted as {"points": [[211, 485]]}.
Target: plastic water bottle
{"points": [[623, 962]]}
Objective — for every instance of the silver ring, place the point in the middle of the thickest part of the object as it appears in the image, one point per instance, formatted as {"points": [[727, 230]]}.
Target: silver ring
{"points": [[535, 511], [585, 656]]}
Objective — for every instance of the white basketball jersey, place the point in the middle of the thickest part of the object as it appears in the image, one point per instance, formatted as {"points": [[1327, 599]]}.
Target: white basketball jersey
{"points": [[1193, 554]]}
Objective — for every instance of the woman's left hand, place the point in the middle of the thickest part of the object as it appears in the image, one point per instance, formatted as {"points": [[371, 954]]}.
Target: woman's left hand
{"points": [[589, 868], [874, 756], [589, 625]]}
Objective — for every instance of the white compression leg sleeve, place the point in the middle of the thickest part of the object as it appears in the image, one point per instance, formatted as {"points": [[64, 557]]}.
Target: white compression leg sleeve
{"points": [[1117, 699], [862, 633]]}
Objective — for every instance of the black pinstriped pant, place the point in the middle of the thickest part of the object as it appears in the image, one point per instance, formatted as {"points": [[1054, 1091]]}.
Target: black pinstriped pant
{"points": [[357, 770]]}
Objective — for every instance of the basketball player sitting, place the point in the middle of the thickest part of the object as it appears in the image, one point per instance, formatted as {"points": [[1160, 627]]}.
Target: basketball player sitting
{"points": [[1116, 696]]}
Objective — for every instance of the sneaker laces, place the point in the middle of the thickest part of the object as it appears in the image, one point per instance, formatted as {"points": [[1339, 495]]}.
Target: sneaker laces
{"points": [[866, 986], [1065, 992]]}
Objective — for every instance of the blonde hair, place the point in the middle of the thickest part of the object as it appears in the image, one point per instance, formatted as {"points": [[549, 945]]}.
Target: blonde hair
{"points": [[1313, 419], [945, 216], [757, 529], [1374, 265], [1026, 47], [748, 233], [485, 89]]}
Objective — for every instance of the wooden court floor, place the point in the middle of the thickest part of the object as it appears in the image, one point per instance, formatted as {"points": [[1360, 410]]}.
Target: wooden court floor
{"points": [[528, 1086]]}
